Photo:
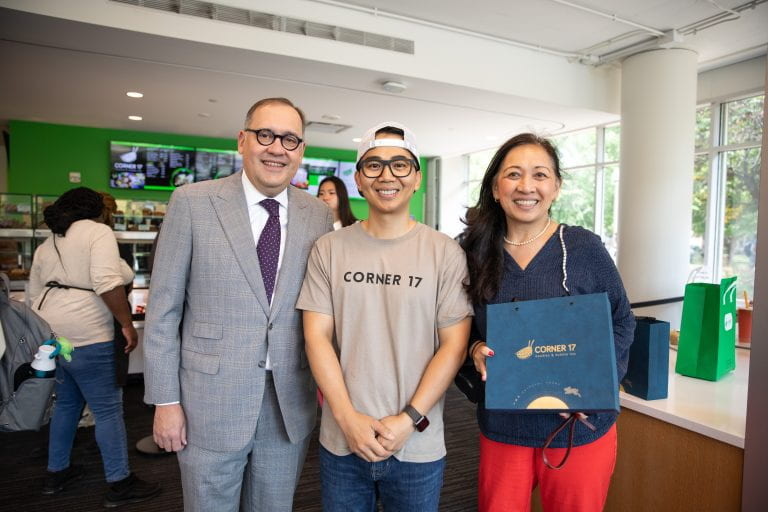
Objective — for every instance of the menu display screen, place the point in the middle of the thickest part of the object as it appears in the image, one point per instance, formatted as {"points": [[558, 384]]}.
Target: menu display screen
{"points": [[211, 164], [312, 171], [150, 166], [143, 166]]}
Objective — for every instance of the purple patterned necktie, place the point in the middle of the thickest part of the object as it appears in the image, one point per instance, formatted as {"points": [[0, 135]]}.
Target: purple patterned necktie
{"points": [[268, 248]]}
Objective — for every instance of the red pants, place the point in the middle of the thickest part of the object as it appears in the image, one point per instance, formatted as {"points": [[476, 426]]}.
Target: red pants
{"points": [[509, 473]]}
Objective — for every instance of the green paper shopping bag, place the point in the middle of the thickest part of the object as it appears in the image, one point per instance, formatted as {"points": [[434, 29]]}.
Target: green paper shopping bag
{"points": [[707, 347]]}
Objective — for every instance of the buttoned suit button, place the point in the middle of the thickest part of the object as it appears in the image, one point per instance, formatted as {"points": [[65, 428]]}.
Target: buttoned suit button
{"points": [[262, 364], [269, 327]]}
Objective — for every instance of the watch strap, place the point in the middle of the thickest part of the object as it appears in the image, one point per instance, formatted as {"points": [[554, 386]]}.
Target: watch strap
{"points": [[413, 413]]}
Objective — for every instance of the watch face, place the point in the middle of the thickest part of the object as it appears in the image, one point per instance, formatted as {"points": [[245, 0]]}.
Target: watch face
{"points": [[422, 424]]}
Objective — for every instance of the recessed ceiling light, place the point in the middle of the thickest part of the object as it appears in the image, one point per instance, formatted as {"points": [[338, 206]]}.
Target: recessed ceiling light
{"points": [[204, 114], [134, 94], [331, 117], [135, 118], [356, 139]]}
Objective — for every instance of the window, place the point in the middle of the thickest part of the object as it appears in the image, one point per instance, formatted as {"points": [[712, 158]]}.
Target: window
{"points": [[576, 203], [590, 162], [478, 163], [726, 184]]}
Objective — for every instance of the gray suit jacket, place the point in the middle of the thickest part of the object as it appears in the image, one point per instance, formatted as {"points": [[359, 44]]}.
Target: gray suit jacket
{"points": [[209, 325]]}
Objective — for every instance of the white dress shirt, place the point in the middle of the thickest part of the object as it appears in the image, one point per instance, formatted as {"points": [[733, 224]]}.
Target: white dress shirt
{"points": [[258, 216]]}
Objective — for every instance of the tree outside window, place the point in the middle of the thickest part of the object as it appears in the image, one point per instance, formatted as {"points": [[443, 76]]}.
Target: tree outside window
{"points": [[478, 163], [740, 240], [726, 183], [575, 204]]}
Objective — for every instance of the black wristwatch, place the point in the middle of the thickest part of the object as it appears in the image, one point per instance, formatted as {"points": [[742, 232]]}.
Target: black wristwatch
{"points": [[420, 422]]}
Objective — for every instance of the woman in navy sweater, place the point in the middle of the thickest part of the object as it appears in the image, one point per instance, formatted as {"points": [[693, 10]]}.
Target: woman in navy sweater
{"points": [[515, 251]]}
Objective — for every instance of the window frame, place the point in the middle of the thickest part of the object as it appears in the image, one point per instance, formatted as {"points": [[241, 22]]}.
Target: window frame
{"points": [[599, 165], [716, 153]]}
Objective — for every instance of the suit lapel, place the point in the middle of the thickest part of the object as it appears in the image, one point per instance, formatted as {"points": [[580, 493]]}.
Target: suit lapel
{"points": [[295, 234], [232, 211]]}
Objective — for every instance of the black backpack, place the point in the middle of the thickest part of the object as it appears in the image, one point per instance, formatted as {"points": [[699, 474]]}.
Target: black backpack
{"points": [[26, 402]]}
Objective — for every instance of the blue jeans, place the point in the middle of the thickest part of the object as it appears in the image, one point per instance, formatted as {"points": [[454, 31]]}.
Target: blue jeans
{"points": [[350, 484], [89, 377]]}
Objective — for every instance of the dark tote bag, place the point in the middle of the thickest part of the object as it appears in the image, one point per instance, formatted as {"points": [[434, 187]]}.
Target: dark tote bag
{"points": [[648, 368]]}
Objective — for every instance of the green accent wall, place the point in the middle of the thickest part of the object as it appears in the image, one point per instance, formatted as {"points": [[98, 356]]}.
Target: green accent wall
{"points": [[42, 155]]}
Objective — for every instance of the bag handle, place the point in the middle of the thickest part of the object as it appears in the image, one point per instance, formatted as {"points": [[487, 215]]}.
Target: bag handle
{"points": [[570, 420]]}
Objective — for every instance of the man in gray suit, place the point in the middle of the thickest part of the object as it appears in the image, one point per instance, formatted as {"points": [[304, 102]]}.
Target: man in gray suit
{"points": [[223, 345]]}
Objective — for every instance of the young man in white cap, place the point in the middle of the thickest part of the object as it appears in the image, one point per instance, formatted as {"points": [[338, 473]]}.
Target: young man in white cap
{"points": [[386, 323]]}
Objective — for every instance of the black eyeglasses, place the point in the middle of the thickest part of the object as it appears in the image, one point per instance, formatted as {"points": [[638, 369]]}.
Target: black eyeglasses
{"points": [[374, 167], [265, 137]]}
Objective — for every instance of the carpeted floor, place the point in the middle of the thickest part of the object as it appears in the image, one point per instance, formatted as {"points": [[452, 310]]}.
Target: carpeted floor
{"points": [[23, 462]]}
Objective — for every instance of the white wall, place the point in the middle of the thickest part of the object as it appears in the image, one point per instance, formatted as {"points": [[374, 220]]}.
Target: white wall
{"points": [[453, 194], [734, 80]]}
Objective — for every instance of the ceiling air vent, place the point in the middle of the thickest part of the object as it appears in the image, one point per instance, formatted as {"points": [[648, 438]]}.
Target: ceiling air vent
{"points": [[227, 14], [318, 126]]}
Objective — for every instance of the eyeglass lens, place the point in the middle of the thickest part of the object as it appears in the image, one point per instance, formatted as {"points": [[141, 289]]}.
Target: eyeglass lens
{"points": [[266, 137], [400, 168]]}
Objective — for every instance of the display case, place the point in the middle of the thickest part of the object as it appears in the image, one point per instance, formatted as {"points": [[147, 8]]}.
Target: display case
{"points": [[41, 202], [16, 237], [142, 216], [136, 248], [22, 229], [15, 211], [136, 225]]}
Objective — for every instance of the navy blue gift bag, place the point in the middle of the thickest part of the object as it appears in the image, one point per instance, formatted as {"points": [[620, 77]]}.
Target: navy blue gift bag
{"points": [[648, 372], [553, 355]]}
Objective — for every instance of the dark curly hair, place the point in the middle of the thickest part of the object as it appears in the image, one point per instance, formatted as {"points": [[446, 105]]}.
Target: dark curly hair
{"points": [[486, 223], [73, 205]]}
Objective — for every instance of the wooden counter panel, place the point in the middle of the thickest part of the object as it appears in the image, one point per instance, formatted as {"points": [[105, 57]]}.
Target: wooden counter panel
{"points": [[664, 467]]}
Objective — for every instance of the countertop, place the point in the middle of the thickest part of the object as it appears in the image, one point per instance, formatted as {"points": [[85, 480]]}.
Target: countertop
{"points": [[715, 409]]}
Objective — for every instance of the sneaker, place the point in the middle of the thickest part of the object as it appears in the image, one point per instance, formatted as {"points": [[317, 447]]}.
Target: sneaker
{"points": [[130, 489], [56, 481]]}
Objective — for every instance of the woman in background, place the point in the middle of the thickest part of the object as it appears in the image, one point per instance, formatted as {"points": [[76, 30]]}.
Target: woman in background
{"points": [[333, 192], [77, 285], [515, 251]]}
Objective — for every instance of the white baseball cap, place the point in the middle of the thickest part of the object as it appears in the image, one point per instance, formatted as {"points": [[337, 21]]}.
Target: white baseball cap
{"points": [[369, 141]]}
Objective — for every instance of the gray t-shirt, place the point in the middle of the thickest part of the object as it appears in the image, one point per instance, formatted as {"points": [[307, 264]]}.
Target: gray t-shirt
{"points": [[388, 298]]}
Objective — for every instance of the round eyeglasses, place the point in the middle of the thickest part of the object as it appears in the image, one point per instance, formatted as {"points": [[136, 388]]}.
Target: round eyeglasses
{"points": [[265, 137], [374, 167]]}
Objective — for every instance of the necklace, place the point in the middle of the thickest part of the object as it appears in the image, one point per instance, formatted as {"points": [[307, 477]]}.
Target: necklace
{"points": [[526, 242]]}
